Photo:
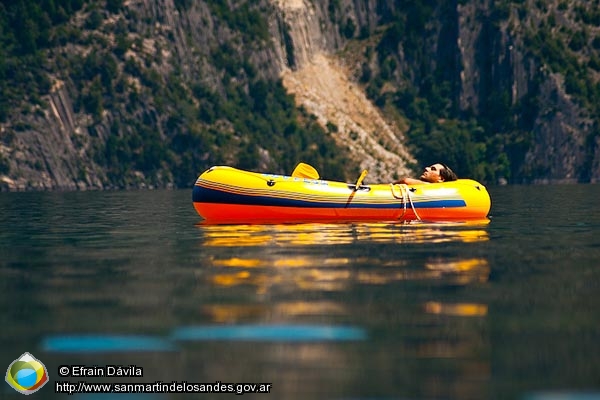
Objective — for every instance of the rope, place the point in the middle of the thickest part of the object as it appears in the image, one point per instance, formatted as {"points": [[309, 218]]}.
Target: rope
{"points": [[408, 192], [402, 197], [405, 194]]}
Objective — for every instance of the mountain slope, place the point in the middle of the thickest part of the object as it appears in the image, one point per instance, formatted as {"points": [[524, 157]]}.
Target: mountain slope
{"points": [[326, 89], [150, 92]]}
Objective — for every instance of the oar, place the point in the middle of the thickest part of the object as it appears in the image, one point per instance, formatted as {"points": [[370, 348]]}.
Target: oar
{"points": [[360, 180], [303, 170]]}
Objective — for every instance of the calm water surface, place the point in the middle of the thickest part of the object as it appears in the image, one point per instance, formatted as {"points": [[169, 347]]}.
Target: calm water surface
{"points": [[503, 310]]}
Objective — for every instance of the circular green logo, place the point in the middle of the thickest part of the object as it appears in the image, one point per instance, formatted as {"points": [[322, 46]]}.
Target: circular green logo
{"points": [[26, 374]]}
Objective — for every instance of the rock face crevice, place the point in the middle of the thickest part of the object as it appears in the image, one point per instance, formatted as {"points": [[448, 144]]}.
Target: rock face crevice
{"points": [[56, 155]]}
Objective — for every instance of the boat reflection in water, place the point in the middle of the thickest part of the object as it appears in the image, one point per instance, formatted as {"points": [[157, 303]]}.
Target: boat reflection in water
{"points": [[403, 285], [339, 274], [329, 234], [317, 257]]}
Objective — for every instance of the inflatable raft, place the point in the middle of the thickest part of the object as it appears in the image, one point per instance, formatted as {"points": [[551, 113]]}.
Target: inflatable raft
{"points": [[228, 195]]}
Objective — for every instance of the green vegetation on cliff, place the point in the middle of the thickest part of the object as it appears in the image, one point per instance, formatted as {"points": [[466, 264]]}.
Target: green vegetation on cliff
{"points": [[491, 143], [146, 116], [168, 127]]}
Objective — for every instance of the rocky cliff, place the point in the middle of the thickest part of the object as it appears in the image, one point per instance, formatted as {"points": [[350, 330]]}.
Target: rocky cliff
{"points": [[498, 55], [146, 95]]}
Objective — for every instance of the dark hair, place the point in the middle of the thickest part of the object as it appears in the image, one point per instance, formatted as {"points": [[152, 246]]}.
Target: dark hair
{"points": [[447, 173]]}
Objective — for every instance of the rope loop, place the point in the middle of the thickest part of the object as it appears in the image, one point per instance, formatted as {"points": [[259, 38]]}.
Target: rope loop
{"points": [[405, 194]]}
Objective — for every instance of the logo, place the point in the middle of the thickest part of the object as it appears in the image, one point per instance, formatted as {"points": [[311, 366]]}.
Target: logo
{"points": [[26, 374]]}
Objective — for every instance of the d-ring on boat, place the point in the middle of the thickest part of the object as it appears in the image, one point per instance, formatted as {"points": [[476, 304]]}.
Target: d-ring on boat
{"points": [[225, 194]]}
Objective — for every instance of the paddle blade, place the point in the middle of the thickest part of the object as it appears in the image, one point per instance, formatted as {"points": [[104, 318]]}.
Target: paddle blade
{"points": [[361, 178], [303, 170]]}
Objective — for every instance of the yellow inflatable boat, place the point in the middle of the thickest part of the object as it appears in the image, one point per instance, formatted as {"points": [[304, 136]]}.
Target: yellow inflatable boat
{"points": [[228, 195]]}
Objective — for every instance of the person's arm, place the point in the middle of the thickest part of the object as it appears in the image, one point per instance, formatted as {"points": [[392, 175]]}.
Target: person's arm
{"points": [[410, 181]]}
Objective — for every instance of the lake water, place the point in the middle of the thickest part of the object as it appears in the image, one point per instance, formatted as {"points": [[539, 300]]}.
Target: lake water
{"points": [[504, 310]]}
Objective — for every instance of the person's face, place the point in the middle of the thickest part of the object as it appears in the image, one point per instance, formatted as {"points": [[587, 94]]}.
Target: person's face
{"points": [[432, 173]]}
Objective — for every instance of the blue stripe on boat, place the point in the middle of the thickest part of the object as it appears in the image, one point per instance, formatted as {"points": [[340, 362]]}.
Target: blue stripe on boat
{"points": [[205, 195], [439, 204]]}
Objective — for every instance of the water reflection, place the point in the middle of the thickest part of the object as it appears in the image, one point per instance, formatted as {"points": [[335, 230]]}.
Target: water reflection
{"points": [[437, 326], [269, 333], [338, 274], [263, 259], [105, 343], [230, 313], [457, 309], [321, 265], [462, 271], [327, 234]]}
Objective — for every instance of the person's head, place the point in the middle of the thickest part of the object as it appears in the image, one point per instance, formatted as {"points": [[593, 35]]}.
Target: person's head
{"points": [[438, 173]]}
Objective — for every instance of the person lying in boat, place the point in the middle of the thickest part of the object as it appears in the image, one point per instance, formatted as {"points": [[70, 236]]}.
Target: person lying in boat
{"points": [[435, 173]]}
